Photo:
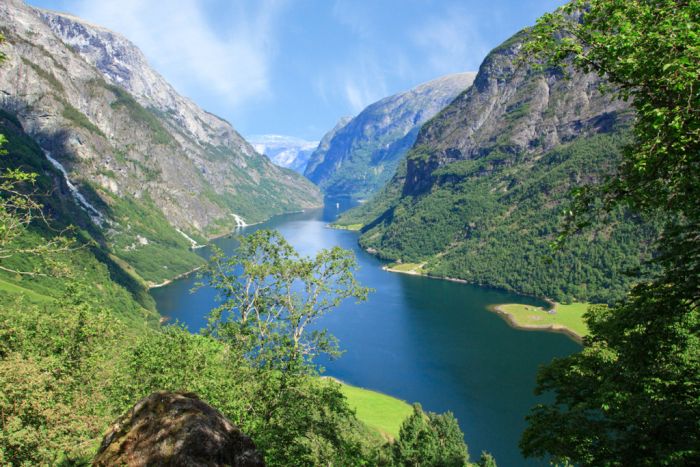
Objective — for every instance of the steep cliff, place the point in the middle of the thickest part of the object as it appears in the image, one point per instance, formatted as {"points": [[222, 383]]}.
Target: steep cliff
{"points": [[479, 195], [318, 156], [362, 155], [159, 173]]}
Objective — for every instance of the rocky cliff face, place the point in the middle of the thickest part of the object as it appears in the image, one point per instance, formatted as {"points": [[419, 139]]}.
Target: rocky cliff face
{"points": [[362, 156], [480, 193], [162, 172], [513, 110], [285, 151]]}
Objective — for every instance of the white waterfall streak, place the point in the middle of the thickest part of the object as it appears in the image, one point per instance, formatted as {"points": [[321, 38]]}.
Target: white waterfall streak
{"points": [[95, 215], [239, 221]]}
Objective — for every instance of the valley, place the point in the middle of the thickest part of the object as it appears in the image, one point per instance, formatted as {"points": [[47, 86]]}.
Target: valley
{"points": [[417, 339], [405, 263]]}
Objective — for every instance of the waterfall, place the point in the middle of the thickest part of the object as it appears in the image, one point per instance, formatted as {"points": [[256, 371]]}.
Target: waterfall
{"points": [[95, 215], [191, 240], [239, 221]]}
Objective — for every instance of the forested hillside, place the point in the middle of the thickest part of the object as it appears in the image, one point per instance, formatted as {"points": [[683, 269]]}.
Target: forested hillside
{"points": [[482, 192]]}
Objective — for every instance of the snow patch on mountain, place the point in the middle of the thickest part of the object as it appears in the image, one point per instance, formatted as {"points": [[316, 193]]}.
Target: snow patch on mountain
{"points": [[285, 151]]}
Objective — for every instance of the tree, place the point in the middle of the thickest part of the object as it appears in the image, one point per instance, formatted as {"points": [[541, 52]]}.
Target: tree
{"points": [[272, 297], [486, 460], [632, 396], [430, 440]]}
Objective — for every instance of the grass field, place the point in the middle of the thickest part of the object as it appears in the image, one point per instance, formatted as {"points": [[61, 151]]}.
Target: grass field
{"points": [[347, 227], [569, 317], [14, 289], [378, 411], [413, 268]]}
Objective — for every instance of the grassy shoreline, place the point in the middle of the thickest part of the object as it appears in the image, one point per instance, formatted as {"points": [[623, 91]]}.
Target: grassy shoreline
{"points": [[381, 412], [351, 227], [566, 319]]}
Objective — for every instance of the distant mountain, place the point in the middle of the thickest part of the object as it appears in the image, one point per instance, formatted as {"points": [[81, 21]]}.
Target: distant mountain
{"points": [[318, 156], [161, 173], [361, 155], [479, 196], [285, 151]]}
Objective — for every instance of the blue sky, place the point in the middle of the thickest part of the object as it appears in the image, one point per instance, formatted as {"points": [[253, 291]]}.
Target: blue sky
{"points": [[294, 67]]}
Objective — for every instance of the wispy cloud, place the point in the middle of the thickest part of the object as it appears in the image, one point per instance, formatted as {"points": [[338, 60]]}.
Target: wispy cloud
{"points": [[183, 43], [451, 41], [359, 81]]}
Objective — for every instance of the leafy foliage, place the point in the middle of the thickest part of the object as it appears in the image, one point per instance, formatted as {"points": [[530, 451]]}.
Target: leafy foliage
{"points": [[430, 440], [270, 308], [632, 396]]}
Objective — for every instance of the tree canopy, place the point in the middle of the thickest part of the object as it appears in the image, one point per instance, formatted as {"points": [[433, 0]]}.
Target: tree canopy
{"points": [[632, 396]]}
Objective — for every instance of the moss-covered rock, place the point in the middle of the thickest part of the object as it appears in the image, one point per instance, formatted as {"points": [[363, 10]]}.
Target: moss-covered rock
{"points": [[176, 429]]}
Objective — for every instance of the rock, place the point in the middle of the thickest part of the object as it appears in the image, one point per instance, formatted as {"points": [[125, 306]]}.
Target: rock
{"points": [[176, 429]]}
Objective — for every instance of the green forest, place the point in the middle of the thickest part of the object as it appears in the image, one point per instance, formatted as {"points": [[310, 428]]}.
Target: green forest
{"points": [[496, 229]]}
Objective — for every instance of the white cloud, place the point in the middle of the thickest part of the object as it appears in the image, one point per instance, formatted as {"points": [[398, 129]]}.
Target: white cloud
{"points": [[183, 45], [451, 41], [358, 81], [362, 81]]}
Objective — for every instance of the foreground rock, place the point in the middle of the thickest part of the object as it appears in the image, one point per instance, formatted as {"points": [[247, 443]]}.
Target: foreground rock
{"points": [[176, 429]]}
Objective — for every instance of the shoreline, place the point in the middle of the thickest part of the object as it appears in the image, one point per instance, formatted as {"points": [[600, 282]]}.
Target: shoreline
{"points": [[170, 281], [150, 285], [413, 272], [512, 322], [507, 317]]}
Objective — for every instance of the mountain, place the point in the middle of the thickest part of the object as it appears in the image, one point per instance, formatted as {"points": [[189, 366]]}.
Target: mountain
{"points": [[362, 154], [318, 156], [480, 193], [285, 151], [156, 173]]}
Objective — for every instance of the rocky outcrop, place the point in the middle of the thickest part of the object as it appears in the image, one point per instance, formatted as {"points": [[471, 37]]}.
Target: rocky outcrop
{"points": [[319, 155], [362, 155], [176, 429], [514, 109]]}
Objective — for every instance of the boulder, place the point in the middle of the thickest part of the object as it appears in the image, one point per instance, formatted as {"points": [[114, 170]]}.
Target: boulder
{"points": [[176, 429]]}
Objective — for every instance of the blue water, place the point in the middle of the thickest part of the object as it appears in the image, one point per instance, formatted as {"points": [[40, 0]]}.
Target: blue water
{"points": [[419, 339]]}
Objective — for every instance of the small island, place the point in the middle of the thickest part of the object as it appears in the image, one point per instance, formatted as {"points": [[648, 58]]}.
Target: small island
{"points": [[567, 319]]}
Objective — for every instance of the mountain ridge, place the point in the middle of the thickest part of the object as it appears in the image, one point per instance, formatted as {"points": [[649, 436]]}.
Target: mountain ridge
{"points": [[490, 175], [360, 155], [159, 168]]}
